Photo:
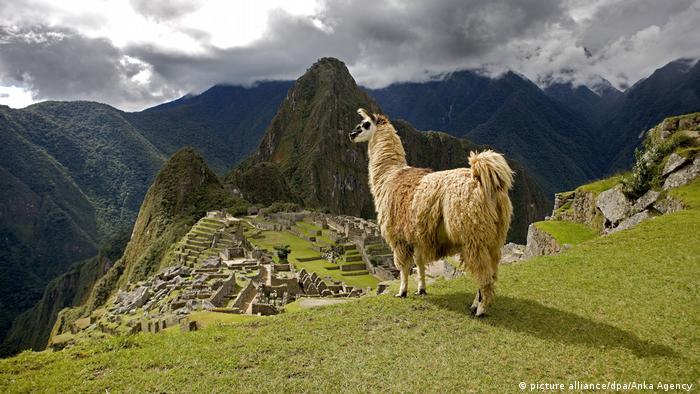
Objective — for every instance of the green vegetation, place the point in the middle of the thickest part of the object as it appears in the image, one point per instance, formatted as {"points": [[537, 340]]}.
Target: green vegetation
{"points": [[652, 156], [622, 307], [303, 249], [602, 185], [566, 232]]}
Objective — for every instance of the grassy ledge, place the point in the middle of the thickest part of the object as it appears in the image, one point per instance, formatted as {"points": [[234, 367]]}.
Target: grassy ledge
{"points": [[567, 232], [624, 307]]}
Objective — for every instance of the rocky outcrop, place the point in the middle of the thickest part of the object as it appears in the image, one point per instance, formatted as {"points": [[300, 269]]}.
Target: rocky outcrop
{"points": [[684, 175], [645, 201], [668, 205], [613, 204], [674, 162], [540, 243], [578, 206], [632, 221]]}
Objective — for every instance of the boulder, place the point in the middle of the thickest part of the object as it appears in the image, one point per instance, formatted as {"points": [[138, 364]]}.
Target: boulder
{"points": [[645, 201], [684, 175], [673, 163], [632, 221], [668, 205], [539, 243], [134, 299], [613, 204], [512, 252], [173, 271]]}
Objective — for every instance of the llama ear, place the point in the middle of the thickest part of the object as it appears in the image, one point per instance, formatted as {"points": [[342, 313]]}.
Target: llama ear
{"points": [[363, 112]]}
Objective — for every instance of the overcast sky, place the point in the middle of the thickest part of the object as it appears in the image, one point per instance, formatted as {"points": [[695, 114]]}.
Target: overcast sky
{"points": [[136, 53]]}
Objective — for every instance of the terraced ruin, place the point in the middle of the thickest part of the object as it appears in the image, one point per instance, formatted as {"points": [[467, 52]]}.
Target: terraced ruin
{"points": [[226, 265]]}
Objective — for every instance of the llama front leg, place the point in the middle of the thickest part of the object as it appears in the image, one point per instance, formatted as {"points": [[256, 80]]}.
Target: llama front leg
{"points": [[403, 288]]}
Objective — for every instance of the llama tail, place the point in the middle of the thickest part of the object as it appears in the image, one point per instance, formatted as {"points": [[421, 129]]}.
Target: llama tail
{"points": [[491, 170]]}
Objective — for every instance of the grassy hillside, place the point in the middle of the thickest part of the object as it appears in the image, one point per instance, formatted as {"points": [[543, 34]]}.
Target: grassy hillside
{"points": [[623, 307]]}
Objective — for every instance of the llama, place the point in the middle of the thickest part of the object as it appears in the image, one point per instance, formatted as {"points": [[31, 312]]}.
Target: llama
{"points": [[426, 215]]}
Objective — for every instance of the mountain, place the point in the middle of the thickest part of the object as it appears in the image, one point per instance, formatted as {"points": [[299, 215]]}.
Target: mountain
{"points": [[307, 148], [671, 90], [184, 189], [76, 174], [32, 328], [225, 123], [591, 104], [509, 113]]}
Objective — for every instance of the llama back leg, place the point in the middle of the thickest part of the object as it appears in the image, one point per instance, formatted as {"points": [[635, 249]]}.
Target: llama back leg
{"points": [[480, 265], [402, 261]]}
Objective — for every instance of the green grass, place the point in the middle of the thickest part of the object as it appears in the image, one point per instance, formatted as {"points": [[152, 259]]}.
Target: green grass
{"points": [[624, 307], [602, 185], [567, 232], [302, 248]]}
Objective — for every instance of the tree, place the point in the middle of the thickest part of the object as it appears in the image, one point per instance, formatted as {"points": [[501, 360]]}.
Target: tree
{"points": [[282, 252]]}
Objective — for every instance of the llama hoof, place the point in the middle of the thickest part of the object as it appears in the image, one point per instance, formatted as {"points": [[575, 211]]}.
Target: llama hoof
{"points": [[401, 295], [421, 292], [480, 311]]}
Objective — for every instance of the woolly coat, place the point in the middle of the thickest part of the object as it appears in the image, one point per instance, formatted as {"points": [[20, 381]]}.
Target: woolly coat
{"points": [[432, 215]]}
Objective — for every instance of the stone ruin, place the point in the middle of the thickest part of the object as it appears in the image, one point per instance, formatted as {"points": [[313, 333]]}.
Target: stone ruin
{"points": [[237, 279]]}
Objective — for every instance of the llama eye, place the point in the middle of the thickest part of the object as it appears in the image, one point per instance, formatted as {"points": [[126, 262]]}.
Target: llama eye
{"points": [[366, 125]]}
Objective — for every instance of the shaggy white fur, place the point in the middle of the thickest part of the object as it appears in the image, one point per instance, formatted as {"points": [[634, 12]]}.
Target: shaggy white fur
{"points": [[426, 215]]}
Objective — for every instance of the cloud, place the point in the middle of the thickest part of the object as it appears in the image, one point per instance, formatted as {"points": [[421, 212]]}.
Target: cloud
{"points": [[62, 64], [163, 10], [380, 41]]}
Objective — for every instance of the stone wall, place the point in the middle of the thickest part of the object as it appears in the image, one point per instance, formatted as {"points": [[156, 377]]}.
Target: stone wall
{"points": [[219, 297]]}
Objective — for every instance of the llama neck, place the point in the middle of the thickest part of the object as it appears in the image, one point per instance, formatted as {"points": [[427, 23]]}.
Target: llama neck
{"points": [[386, 154]]}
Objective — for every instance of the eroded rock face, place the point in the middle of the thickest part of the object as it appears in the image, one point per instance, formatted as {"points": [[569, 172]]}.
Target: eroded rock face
{"points": [[540, 243], [613, 204], [683, 175]]}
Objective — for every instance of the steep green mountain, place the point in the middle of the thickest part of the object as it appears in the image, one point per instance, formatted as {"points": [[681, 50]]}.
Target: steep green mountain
{"points": [[307, 147], [38, 198], [225, 123], [509, 113], [182, 192], [31, 329], [76, 174], [673, 89]]}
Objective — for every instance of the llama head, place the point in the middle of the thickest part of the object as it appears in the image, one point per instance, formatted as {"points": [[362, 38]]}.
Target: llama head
{"points": [[365, 129]]}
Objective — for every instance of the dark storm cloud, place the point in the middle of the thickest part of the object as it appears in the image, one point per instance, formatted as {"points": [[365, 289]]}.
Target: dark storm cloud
{"points": [[380, 41], [163, 10], [620, 19], [62, 64]]}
